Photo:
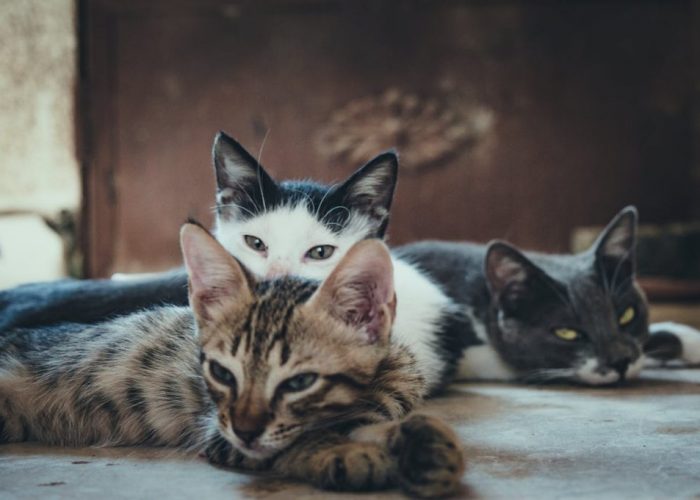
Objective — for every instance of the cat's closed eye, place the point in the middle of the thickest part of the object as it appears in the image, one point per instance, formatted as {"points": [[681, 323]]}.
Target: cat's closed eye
{"points": [[320, 252], [255, 243]]}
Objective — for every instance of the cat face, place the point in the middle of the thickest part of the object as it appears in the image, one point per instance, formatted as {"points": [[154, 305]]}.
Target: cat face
{"points": [[293, 227], [285, 357], [578, 317]]}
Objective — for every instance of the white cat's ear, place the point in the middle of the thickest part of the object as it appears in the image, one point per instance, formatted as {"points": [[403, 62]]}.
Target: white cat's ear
{"points": [[242, 183], [618, 240], [370, 190], [360, 291], [216, 279], [514, 280]]}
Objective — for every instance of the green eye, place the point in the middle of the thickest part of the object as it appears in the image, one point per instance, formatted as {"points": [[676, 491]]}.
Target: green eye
{"points": [[255, 243], [299, 382], [627, 316], [221, 374], [567, 334], [321, 252]]}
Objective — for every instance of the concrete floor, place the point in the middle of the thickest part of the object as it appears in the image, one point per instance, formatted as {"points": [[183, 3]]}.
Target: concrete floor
{"points": [[638, 441]]}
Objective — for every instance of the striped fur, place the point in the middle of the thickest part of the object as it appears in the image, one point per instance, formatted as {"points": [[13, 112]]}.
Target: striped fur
{"points": [[225, 380]]}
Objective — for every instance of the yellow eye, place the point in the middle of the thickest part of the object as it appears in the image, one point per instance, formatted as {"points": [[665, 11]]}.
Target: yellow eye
{"points": [[566, 333], [627, 316]]}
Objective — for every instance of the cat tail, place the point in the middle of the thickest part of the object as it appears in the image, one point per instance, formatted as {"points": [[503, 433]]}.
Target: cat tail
{"points": [[673, 342], [87, 301]]}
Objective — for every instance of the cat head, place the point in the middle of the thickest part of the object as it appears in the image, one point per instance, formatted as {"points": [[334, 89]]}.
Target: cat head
{"points": [[580, 317], [296, 227], [286, 356]]}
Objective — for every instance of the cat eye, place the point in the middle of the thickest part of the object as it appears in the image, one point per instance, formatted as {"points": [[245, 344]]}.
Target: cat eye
{"points": [[221, 374], [627, 316], [255, 243], [321, 252], [567, 334], [299, 382]]}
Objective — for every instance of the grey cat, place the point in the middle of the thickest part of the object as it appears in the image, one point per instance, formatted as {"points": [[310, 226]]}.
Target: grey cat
{"points": [[540, 317]]}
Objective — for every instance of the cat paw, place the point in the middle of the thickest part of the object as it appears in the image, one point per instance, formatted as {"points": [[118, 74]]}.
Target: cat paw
{"points": [[353, 467], [673, 341], [430, 457]]}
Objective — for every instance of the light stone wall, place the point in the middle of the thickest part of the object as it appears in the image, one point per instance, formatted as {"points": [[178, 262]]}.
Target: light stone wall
{"points": [[39, 170]]}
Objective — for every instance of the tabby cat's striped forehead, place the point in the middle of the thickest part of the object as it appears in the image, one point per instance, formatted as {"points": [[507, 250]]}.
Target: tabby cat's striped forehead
{"points": [[269, 316]]}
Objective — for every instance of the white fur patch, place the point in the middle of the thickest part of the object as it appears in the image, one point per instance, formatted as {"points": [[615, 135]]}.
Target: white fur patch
{"points": [[689, 337], [484, 363], [590, 372], [289, 232], [420, 306]]}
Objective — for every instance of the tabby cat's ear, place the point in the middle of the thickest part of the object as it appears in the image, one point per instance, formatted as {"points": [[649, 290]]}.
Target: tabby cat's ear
{"points": [[360, 291], [370, 190], [615, 248], [216, 279], [242, 185], [516, 283]]}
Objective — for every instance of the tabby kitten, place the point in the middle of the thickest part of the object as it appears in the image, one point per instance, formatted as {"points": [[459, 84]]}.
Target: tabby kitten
{"points": [[307, 381], [539, 317], [273, 227]]}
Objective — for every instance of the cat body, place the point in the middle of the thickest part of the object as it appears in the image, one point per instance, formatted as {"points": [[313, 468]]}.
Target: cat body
{"points": [[538, 317], [310, 381]]}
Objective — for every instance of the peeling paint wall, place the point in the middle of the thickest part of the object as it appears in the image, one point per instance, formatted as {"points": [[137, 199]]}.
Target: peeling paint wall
{"points": [[39, 171]]}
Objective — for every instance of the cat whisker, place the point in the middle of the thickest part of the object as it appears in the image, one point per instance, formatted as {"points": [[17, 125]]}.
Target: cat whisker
{"points": [[215, 208], [337, 207], [262, 147], [330, 190]]}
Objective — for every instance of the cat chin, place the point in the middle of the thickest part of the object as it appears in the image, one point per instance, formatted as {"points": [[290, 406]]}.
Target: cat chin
{"points": [[589, 373]]}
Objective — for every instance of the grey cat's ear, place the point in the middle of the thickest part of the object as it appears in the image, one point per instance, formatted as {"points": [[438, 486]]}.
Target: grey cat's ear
{"points": [[360, 291], [370, 190], [216, 279], [242, 184], [614, 249], [514, 280]]}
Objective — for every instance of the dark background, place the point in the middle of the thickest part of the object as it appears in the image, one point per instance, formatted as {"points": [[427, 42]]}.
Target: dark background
{"points": [[515, 119]]}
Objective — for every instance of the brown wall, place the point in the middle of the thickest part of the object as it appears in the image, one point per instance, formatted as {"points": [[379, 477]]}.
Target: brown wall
{"points": [[518, 120]]}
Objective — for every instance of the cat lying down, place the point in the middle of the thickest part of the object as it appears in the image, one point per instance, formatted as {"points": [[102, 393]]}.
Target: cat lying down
{"points": [[495, 312], [309, 382]]}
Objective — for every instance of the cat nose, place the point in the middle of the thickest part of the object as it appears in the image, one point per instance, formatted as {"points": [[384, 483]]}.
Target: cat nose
{"points": [[620, 366], [276, 270], [248, 435]]}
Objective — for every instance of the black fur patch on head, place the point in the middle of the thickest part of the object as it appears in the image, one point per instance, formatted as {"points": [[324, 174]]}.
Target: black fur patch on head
{"points": [[245, 190]]}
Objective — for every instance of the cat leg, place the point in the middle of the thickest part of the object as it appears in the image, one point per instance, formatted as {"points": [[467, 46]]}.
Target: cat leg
{"points": [[221, 452], [430, 457], [336, 462], [420, 454], [14, 427], [671, 341]]}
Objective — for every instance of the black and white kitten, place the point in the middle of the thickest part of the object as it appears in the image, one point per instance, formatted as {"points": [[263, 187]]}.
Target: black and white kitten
{"points": [[539, 317], [274, 228]]}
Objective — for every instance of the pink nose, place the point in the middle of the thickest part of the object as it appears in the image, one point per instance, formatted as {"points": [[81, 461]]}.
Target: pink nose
{"points": [[276, 270]]}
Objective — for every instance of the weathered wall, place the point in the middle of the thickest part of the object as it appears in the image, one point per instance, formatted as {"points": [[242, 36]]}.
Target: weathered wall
{"points": [[39, 174]]}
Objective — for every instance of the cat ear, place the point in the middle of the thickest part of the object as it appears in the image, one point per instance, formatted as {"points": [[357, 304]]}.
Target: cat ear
{"points": [[242, 184], [370, 190], [514, 280], [615, 248], [215, 277], [360, 291]]}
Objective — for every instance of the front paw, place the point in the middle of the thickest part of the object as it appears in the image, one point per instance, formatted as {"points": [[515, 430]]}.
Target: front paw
{"points": [[430, 457], [353, 467]]}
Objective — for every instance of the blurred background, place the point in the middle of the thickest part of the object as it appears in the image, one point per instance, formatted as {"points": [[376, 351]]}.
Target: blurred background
{"points": [[525, 120]]}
